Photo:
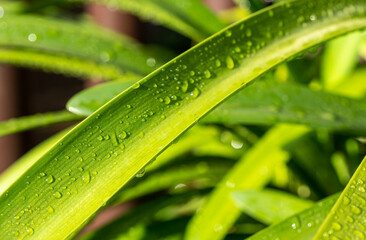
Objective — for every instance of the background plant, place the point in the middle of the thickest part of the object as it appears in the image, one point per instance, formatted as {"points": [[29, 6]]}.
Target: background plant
{"points": [[297, 128]]}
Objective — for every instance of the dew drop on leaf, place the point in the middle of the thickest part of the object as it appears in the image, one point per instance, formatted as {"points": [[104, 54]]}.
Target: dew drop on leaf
{"points": [[184, 87], [86, 177], [122, 135], [195, 93], [229, 63], [32, 37], [218, 63], [346, 200], [141, 173], [57, 195], [167, 100], [207, 74], [50, 179], [356, 210], [336, 226], [228, 33], [50, 209], [30, 230]]}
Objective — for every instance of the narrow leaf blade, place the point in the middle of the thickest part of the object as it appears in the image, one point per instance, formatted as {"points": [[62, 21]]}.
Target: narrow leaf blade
{"points": [[108, 160]]}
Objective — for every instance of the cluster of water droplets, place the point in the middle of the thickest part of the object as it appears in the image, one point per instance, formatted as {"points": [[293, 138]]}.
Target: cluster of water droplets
{"points": [[348, 220]]}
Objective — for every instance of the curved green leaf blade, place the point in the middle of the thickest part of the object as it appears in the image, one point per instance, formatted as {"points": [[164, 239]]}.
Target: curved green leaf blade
{"points": [[208, 170], [264, 102], [89, 100], [141, 215], [302, 226], [253, 171], [60, 36], [64, 64], [269, 206], [340, 57], [355, 86], [35, 121], [189, 17], [110, 147], [346, 220]]}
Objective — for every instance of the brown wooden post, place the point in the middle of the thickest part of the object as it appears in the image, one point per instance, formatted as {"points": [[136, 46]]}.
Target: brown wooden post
{"points": [[218, 5], [9, 145]]}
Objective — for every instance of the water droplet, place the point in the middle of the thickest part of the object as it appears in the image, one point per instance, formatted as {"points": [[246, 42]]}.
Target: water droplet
{"points": [[122, 135], [151, 62], [195, 93], [346, 200], [228, 33], [356, 210], [237, 49], [192, 73], [86, 177], [42, 174], [129, 106], [218, 63], [141, 173], [229, 63], [30, 230], [350, 219], [296, 224], [270, 13], [32, 37], [184, 87], [50, 209], [50, 179], [136, 86], [100, 138], [336, 226], [361, 189], [57, 195], [81, 169], [207, 74], [312, 17], [167, 100]]}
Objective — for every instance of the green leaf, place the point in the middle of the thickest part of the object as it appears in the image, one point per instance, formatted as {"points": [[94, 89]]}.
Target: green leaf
{"points": [[264, 102], [210, 171], [88, 101], [11, 7], [189, 17], [63, 37], [269, 206], [346, 219], [253, 171], [64, 64], [110, 147], [143, 214], [355, 86], [35, 121], [340, 58], [302, 226], [27, 160]]}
